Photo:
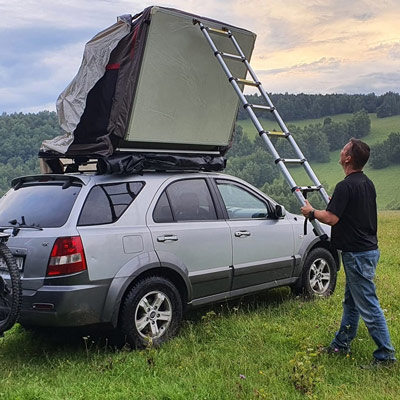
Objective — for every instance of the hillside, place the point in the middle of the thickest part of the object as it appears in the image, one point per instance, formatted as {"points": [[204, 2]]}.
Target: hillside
{"points": [[22, 134], [387, 180]]}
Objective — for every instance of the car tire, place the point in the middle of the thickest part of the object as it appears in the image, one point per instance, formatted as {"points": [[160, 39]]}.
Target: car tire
{"points": [[319, 274], [151, 312]]}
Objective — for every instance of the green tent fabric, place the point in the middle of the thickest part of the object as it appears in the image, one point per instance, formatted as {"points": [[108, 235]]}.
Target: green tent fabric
{"points": [[151, 83]]}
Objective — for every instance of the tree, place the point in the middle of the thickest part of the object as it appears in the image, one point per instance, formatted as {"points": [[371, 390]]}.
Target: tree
{"points": [[257, 168], [379, 156], [281, 193], [241, 144], [390, 105], [360, 124], [393, 146]]}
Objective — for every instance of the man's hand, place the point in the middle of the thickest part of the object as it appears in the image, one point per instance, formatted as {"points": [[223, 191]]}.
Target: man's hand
{"points": [[324, 216], [305, 210]]}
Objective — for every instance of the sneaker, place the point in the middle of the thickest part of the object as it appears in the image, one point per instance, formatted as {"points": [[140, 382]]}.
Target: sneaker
{"points": [[390, 362], [335, 350], [384, 363]]}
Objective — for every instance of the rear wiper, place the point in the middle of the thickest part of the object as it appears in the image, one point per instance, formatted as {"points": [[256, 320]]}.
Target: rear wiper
{"points": [[17, 226]]}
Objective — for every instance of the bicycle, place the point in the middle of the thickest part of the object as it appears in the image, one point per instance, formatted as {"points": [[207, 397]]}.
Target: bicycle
{"points": [[10, 286]]}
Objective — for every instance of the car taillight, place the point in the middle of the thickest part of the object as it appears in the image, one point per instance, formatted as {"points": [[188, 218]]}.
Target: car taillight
{"points": [[67, 257]]}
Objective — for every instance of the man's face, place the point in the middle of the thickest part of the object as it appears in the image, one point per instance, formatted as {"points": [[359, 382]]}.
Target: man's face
{"points": [[344, 158]]}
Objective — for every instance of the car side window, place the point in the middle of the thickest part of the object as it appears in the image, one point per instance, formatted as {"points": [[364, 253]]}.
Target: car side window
{"points": [[241, 204], [162, 211], [106, 203], [186, 200]]}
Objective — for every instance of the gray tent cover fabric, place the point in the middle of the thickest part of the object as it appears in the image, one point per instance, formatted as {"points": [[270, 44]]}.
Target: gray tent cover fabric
{"points": [[94, 110]]}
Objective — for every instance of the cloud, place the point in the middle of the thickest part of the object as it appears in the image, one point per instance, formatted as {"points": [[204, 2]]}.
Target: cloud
{"points": [[391, 49], [363, 17], [323, 64], [74, 14], [393, 78], [302, 45], [37, 78]]}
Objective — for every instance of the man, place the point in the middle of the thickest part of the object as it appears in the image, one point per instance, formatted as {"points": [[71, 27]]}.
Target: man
{"points": [[353, 216]]}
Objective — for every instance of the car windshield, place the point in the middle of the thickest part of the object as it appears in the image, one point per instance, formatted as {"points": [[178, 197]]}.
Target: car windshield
{"points": [[42, 205]]}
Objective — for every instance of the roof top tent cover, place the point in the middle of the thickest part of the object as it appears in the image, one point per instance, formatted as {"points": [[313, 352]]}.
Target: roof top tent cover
{"points": [[151, 82]]}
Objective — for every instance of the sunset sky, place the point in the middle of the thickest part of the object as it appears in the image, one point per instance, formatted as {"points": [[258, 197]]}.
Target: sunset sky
{"points": [[315, 46]]}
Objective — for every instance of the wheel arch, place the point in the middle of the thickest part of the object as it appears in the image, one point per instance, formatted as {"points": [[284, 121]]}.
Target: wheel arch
{"points": [[315, 244], [165, 272], [120, 287]]}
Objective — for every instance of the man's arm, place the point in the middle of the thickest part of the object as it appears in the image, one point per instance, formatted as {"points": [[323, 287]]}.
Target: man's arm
{"points": [[324, 216]]}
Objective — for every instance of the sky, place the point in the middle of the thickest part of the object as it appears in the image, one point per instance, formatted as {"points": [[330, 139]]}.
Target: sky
{"points": [[302, 46]]}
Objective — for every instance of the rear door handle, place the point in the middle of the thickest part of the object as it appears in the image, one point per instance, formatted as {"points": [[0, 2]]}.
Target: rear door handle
{"points": [[164, 238], [242, 233]]}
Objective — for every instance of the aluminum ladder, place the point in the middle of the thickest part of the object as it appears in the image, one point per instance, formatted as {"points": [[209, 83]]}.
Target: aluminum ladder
{"points": [[299, 191]]}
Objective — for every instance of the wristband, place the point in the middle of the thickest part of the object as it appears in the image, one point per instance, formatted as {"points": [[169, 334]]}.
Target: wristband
{"points": [[311, 215]]}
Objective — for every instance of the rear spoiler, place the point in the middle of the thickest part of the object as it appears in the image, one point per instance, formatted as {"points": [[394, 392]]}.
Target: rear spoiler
{"points": [[16, 183]]}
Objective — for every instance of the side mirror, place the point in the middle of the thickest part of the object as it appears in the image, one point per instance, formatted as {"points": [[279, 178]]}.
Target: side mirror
{"points": [[280, 211]]}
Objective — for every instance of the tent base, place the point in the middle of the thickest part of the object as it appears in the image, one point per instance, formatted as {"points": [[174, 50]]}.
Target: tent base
{"points": [[130, 163]]}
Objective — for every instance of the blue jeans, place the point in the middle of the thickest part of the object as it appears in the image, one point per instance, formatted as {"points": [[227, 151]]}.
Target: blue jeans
{"points": [[360, 300]]}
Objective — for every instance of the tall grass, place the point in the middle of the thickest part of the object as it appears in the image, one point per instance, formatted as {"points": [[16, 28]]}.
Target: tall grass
{"points": [[259, 347]]}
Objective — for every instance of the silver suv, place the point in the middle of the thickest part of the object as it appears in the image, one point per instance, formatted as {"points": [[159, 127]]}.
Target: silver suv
{"points": [[136, 251]]}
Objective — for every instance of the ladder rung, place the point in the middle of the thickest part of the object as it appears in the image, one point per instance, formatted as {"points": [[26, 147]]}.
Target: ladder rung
{"points": [[273, 133], [307, 188], [218, 31], [247, 82], [297, 161], [263, 133], [232, 56], [260, 107]]}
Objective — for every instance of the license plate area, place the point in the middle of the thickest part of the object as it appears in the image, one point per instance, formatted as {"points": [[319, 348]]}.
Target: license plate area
{"points": [[19, 261]]}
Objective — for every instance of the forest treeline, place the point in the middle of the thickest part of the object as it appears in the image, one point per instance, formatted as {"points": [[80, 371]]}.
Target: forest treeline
{"points": [[306, 106], [22, 134], [250, 160]]}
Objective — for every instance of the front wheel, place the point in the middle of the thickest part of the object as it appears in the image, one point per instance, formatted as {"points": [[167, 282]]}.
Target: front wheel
{"points": [[319, 273], [151, 312], [10, 289]]}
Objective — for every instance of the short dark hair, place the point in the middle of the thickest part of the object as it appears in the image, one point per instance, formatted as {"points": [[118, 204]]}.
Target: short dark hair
{"points": [[359, 152]]}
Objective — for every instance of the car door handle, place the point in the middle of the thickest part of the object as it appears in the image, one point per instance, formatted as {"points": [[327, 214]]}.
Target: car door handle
{"points": [[164, 238], [242, 233]]}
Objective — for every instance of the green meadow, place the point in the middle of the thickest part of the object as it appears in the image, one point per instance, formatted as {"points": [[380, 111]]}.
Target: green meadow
{"points": [[260, 347], [387, 180]]}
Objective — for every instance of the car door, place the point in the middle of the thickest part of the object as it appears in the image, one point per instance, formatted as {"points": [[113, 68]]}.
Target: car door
{"points": [[187, 232], [262, 244]]}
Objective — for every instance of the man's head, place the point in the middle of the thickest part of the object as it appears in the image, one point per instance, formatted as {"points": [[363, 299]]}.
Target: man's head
{"points": [[354, 154]]}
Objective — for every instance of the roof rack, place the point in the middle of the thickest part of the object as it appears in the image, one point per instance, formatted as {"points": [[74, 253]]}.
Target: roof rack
{"points": [[130, 162]]}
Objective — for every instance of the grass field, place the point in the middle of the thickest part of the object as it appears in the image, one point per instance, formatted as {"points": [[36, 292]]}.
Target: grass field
{"points": [[387, 180], [263, 347]]}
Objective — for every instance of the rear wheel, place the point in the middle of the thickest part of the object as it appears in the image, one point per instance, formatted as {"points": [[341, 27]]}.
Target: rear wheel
{"points": [[319, 274], [151, 312], [10, 289]]}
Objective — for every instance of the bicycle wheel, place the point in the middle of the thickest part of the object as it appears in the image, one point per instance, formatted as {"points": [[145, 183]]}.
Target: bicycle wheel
{"points": [[10, 289]]}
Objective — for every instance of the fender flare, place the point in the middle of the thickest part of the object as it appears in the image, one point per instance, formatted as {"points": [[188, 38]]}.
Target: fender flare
{"points": [[305, 250], [132, 271]]}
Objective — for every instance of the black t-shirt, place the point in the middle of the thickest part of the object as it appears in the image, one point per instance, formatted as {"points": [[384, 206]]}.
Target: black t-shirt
{"points": [[354, 203]]}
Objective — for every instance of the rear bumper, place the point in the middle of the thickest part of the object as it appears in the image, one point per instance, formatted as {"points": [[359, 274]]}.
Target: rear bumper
{"points": [[76, 305]]}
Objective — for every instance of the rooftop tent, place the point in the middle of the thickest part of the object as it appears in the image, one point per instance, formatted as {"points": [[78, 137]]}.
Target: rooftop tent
{"points": [[151, 83]]}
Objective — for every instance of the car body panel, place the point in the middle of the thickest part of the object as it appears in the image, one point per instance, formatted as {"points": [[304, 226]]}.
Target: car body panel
{"points": [[206, 259]]}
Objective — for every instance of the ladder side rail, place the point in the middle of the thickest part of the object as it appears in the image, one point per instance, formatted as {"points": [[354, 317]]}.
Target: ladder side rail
{"points": [[295, 146], [297, 192], [281, 123]]}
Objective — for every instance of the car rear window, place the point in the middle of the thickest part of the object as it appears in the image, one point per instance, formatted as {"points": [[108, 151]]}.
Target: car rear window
{"points": [[46, 205], [106, 203]]}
